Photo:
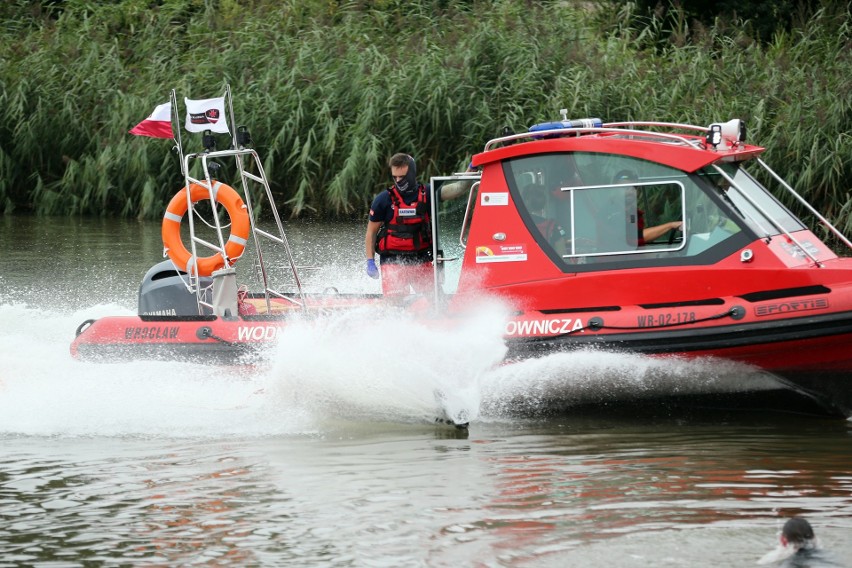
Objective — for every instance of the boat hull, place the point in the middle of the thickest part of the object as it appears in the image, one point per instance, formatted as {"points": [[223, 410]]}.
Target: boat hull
{"points": [[818, 367], [807, 355], [204, 339]]}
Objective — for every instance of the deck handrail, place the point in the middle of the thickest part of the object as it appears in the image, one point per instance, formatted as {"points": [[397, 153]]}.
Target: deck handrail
{"points": [[238, 152], [834, 230], [608, 128]]}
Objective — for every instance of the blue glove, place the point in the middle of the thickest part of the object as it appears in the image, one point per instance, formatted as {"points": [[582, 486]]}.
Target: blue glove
{"points": [[372, 269]]}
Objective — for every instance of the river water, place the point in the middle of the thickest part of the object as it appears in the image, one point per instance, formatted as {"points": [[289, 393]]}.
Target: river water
{"points": [[328, 457]]}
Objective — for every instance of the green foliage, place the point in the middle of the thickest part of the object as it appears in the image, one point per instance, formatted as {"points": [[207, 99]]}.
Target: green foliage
{"points": [[331, 88], [678, 21]]}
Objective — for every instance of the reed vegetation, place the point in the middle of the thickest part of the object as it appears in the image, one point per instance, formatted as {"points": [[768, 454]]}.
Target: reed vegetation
{"points": [[329, 89]]}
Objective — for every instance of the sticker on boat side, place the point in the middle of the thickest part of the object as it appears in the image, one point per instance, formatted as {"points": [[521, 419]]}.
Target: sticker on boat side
{"points": [[154, 332], [556, 326], [494, 199], [791, 306], [659, 320], [258, 333], [501, 253], [797, 253]]}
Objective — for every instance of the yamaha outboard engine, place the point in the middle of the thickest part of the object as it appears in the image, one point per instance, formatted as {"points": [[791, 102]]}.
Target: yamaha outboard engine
{"points": [[163, 292]]}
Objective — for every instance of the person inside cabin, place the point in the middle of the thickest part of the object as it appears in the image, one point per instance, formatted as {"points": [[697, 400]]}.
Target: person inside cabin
{"points": [[536, 202], [634, 214], [565, 174], [400, 231]]}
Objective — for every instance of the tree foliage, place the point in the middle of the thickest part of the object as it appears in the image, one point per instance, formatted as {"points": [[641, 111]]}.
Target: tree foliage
{"points": [[330, 88]]}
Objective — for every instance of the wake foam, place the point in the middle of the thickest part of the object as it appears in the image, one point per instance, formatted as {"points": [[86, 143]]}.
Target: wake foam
{"points": [[367, 365], [387, 365], [584, 377]]}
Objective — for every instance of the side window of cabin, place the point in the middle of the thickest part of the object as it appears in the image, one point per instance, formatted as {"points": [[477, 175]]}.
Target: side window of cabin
{"points": [[590, 208]]}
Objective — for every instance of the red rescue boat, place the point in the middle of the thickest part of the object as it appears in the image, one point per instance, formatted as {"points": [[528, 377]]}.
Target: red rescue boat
{"points": [[653, 238]]}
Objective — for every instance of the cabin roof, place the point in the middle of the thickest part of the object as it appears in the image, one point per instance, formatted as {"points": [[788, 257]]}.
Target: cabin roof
{"points": [[684, 152]]}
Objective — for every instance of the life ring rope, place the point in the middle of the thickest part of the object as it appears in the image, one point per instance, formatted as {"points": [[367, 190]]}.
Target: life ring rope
{"points": [[216, 185], [240, 225]]}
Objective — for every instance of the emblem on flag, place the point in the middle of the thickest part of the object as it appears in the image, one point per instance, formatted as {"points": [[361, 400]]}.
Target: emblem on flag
{"points": [[206, 114]]}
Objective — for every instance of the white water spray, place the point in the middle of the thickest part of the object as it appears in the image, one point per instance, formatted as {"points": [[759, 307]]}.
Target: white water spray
{"points": [[369, 365], [383, 364]]}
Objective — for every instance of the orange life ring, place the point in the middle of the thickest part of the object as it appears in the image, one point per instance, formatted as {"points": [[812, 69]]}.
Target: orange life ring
{"points": [[226, 196]]}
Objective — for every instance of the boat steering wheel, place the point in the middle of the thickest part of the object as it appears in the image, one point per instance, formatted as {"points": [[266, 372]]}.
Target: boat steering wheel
{"points": [[673, 235]]}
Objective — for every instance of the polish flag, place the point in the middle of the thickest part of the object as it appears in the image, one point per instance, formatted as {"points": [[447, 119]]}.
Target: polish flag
{"points": [[206, 114], [158, 125]]}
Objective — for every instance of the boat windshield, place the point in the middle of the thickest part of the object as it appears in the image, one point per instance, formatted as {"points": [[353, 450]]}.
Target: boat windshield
{"points": [[759, 208], [595, 208]]}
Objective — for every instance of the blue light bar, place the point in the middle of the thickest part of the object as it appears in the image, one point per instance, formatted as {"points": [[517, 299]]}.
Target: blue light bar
{"points": [[563, 124]]}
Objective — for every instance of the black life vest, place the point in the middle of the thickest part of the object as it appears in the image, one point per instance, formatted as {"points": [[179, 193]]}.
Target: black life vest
{"points": [[409, 230]]}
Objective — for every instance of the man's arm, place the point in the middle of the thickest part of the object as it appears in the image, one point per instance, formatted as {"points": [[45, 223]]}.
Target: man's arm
{"points": [[370, 238], [453, 190], [653, 233]]}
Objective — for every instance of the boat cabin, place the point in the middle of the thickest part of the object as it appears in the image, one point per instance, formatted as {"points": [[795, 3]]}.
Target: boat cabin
{"points": [[558, 214]]}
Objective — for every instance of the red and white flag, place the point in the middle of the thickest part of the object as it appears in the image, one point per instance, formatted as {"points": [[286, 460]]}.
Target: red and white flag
{"points": [[158, 125], [206, 114]]}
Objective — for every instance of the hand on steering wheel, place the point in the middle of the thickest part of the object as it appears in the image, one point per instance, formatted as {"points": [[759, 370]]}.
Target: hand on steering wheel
{"points": [[677, 228]]}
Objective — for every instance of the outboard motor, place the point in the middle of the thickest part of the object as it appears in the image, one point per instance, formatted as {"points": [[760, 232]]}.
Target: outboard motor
{"points": [[163, 292]]}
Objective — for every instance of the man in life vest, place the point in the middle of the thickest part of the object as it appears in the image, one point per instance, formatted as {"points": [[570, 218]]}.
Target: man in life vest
{"points": [[400, 230]]}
